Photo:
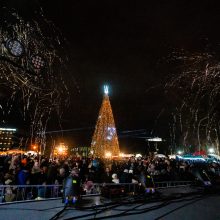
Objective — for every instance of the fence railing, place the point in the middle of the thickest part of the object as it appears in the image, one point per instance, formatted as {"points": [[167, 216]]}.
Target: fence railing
{"points": [[97, 188], [14, 193], [169, 184], [11, 193]]}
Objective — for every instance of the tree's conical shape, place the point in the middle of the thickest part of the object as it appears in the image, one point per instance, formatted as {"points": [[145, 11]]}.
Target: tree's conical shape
{"points": [[105, 139]]}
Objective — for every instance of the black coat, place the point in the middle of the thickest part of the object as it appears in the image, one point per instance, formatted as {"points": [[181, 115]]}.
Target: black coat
{"points": [[107, 177]]}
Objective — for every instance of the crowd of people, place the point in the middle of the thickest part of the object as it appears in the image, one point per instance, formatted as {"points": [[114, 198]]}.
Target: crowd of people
{"points": [[29, 170]]}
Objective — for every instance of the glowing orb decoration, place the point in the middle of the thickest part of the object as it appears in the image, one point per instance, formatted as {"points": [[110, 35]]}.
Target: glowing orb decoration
{"points": [[37, 62], [15, 47]]}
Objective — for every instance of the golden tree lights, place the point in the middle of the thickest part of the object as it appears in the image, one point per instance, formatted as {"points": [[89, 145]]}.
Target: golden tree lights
{"points": [[105, 140]]}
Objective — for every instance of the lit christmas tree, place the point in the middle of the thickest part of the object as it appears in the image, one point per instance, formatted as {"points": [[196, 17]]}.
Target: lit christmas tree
{"points": [[105, 139]]}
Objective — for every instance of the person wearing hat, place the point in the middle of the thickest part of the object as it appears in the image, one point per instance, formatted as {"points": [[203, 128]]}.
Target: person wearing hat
{"points": [[115, 178], [9, 195]]}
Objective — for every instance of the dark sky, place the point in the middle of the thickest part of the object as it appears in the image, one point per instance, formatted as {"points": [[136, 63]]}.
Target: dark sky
{"points": [[123, 43]]}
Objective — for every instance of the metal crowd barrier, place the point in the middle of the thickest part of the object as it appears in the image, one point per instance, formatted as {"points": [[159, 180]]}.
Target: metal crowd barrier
{"points": [[170, 184], [97, 187], [133, 187], [15, 193]]}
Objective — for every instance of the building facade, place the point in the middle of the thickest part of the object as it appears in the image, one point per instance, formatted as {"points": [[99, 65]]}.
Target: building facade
{"points": [[6, 138], [82, 151]]}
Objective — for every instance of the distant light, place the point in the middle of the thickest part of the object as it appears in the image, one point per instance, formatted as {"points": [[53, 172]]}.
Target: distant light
{"points": [[179, 152], [156, 139], [211, 150], [106, 89], [138, 155], [172, 156], [108, 154], [192, 158], [15, 47], [7, 129], [121, 154], [60, 149]]}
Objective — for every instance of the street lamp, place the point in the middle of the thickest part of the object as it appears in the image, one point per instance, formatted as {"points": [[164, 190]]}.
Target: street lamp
{"points": [[34, 147], [61, 150], [211, 150], [179, 152]]}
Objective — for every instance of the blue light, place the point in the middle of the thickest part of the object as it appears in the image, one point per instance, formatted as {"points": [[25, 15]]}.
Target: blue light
{"points": [[106, 89]]}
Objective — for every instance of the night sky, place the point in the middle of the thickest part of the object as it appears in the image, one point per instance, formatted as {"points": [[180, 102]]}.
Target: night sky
{"points": [[124, 44]]}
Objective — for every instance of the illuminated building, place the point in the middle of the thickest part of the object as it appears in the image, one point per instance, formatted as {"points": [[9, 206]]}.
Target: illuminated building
{"points": [[6, 138], [105, 140], [82, 151]]}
